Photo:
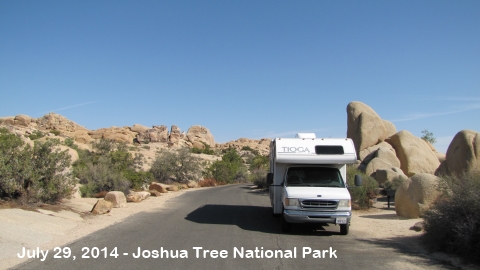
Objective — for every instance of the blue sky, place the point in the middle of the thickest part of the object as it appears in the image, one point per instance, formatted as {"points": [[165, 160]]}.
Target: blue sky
{"points": [[246, 68]]}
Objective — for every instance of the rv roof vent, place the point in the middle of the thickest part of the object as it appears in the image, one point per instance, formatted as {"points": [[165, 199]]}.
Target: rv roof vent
{"points": [[305, 135]]}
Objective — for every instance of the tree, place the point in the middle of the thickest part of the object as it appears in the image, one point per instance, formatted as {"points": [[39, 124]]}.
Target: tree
{"points": [[180, 166], [230, 169], [33, 174], [428, 136]]}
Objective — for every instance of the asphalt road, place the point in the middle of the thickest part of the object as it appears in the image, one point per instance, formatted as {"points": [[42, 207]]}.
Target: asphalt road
{"points": [[228, 220]]}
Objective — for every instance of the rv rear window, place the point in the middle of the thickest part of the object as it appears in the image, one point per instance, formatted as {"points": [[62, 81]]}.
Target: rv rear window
{"points": [[329, 150]]}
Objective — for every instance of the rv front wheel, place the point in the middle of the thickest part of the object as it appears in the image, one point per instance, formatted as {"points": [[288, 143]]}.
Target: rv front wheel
{"points": [[344, 228], [286, 226]]}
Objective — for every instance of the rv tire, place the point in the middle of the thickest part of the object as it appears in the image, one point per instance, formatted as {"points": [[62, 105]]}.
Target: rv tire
{"points": [[286, 226], [344, 228]]}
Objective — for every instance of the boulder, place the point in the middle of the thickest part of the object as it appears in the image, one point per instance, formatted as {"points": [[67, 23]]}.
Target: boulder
{"points": [[463, 153], [172, 188], [198, 145], [383, 175], [144, 194], [117, 198], [9, 120], [376, 164], [102, 207], [157, 134], [389, 127], [369, 153], [137, 197], [175, 134], [416, 195], [139, 128], [364, 126], [120, 135], [22, 120], [155, 193], [200, 134], [134, 197], [158, 187], [414, 154], [192, 184], [388, 155]]}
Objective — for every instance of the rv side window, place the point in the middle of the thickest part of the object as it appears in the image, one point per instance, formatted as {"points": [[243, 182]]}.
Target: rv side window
{"points": [[314, 177], [329, 150]]}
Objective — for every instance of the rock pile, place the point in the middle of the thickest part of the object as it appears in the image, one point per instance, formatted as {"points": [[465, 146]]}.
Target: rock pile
{"points": [[386, 154], [25, 125]]}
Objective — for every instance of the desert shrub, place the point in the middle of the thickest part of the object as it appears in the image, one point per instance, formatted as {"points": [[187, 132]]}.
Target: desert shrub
{"points": [[36, 134], [394, 183], [452, 224], [55, 132], [228, 170], [206, 150], [109, 167], [33, 174], [251, 150], [368, 190], [69, 142], [258, 177], [138, 179], [180, 166], [100, 177], [207, 183]]}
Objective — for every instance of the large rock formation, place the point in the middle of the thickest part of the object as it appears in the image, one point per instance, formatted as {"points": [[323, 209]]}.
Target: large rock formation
{"points": [[122, 135], [414, 154], [200, 134], [364, 126], [262, 145], [463, 154], [416, 195], [175, 134]]}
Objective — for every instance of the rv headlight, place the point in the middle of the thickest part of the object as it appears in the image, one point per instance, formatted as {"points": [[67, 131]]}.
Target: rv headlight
{"points": [[291, 202], [344, 203]]}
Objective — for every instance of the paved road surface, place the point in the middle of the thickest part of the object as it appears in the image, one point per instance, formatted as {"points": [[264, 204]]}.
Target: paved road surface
{"points": [[229, 218]]}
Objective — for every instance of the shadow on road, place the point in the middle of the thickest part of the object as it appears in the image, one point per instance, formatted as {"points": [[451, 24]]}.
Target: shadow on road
{"points": [[412, 246], [252, 218]]}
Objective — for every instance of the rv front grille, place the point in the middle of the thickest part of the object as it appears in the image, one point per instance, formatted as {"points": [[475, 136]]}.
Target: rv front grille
{"points": [[319, 204]]}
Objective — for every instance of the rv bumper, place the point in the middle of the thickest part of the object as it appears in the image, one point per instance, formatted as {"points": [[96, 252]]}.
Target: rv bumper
{"points": [[298, 216]]}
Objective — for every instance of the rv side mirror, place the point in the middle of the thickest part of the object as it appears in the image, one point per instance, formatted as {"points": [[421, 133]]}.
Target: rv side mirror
{"points": [[269, 179], [358, 180]]}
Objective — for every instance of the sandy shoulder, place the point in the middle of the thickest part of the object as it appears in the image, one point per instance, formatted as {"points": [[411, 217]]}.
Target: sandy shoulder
{"points": [[48, 229]]}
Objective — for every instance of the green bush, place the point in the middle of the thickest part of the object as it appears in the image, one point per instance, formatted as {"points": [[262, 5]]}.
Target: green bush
{"points": [[228, 170], [258, 177], [368, 190], [109, 167], [33, 174], [394, 183], [55, 132], [179, 166], [452, 224], [69, 142], [100, 177], [36, 134], [206, 150]]}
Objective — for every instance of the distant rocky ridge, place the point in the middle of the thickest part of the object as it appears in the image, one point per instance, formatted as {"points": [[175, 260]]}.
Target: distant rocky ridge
{"points": [[195, 136]]}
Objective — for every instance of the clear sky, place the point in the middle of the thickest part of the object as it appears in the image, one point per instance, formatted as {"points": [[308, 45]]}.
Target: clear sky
{"points": [[245, 68]]}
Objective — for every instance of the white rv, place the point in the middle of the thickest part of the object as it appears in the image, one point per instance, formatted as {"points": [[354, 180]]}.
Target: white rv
{"points": [[307, 180]]}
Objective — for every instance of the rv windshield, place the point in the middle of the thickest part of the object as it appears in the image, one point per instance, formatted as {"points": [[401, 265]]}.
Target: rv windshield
{"points": [[314, 177]]}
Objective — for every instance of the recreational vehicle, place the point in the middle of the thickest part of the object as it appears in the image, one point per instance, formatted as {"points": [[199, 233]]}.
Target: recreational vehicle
{"points": [[307, 180]]}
